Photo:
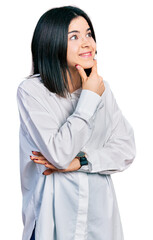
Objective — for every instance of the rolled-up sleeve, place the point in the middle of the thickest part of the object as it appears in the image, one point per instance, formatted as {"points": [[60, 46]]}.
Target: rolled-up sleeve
{"points": [[59, 145]]}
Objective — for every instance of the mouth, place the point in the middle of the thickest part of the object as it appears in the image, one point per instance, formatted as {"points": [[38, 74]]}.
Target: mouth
{"points": [[86, 54]]}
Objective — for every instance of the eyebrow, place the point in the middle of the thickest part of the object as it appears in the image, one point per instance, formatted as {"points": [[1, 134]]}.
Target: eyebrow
{"points": [[75, 31]]}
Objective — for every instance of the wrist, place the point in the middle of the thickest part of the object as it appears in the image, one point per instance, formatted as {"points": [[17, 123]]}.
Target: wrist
{"points": [[82, 157]]}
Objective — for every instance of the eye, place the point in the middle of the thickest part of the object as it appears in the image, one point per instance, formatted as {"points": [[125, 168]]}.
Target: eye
{"points": [[74, 37], [89, 34]]}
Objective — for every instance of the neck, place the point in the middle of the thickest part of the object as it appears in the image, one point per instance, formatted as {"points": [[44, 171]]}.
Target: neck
{"points": [[77, 83]]}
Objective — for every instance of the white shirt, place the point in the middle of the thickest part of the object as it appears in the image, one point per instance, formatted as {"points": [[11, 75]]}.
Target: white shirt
{"points": [[78, 205]]}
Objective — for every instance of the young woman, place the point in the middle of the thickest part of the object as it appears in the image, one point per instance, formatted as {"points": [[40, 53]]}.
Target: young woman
{"points": [[78, 135]]}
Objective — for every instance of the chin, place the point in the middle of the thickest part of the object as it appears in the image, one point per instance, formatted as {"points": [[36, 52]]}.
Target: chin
{"points": [[87, 65]]}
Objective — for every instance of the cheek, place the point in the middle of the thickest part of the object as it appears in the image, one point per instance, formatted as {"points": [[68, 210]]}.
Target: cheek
{"points": [[70, 57], [72, 52], [93, 43], [72, 48]]}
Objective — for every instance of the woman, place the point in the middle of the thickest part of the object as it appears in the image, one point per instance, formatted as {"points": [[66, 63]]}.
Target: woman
{"points": [[71, 121]]}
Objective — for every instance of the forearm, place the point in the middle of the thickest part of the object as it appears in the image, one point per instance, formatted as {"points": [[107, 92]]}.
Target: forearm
{"points": [[116, 154], [58, 144]]}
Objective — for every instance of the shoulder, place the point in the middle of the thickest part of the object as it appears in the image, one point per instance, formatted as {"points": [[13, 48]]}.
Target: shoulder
{"points": [[106, 85], [33, 92], [107, 93], [108, 96], [32, 84], [34, 87]]}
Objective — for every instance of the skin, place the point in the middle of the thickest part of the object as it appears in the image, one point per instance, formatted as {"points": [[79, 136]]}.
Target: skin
{"points": [[79, 41], [40, 159], [80, 55]]}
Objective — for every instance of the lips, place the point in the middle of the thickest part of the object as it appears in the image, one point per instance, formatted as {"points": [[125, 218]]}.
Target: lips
{"points": [[86, 54]]}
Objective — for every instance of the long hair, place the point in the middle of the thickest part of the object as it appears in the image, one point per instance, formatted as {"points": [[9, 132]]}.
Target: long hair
{"points": [[49, 47]]}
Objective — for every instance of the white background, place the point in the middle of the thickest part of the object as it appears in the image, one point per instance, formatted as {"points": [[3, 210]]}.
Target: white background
{"points": [[124, 31]]}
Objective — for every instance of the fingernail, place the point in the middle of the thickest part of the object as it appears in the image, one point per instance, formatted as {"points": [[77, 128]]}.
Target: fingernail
{"points": [[34, 152], [77, 66]]}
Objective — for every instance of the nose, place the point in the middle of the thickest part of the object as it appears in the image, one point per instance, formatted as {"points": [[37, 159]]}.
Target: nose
{"points": [[85, 42]]}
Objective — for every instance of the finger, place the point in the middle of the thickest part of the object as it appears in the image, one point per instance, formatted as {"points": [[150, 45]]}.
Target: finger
{"points": [[40, 161], [82, 73], [36, 153], [50, 166], [46, 163], [94, 68], [48, 172], [38, 157]]}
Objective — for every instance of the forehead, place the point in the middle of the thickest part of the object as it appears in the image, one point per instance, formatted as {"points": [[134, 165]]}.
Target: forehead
{"points": [[78, 24]]}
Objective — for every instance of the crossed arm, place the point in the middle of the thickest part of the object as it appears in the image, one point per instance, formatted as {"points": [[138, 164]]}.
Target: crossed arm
{"points": [[40, 159], [116, 154]]}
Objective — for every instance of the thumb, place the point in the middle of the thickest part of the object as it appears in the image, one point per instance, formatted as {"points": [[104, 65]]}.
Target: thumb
{"points": [[82, 73], [48, 172]]}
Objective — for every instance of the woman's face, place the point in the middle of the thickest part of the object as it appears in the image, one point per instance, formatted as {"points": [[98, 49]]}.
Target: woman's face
{"points": [[81, 46]]}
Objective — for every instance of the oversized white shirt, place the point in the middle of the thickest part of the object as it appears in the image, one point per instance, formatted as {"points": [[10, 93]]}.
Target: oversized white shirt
{"points": [[78, 205]]}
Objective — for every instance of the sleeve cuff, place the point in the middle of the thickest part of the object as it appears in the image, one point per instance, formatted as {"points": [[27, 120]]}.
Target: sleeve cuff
{"points": [[88, 102]]}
